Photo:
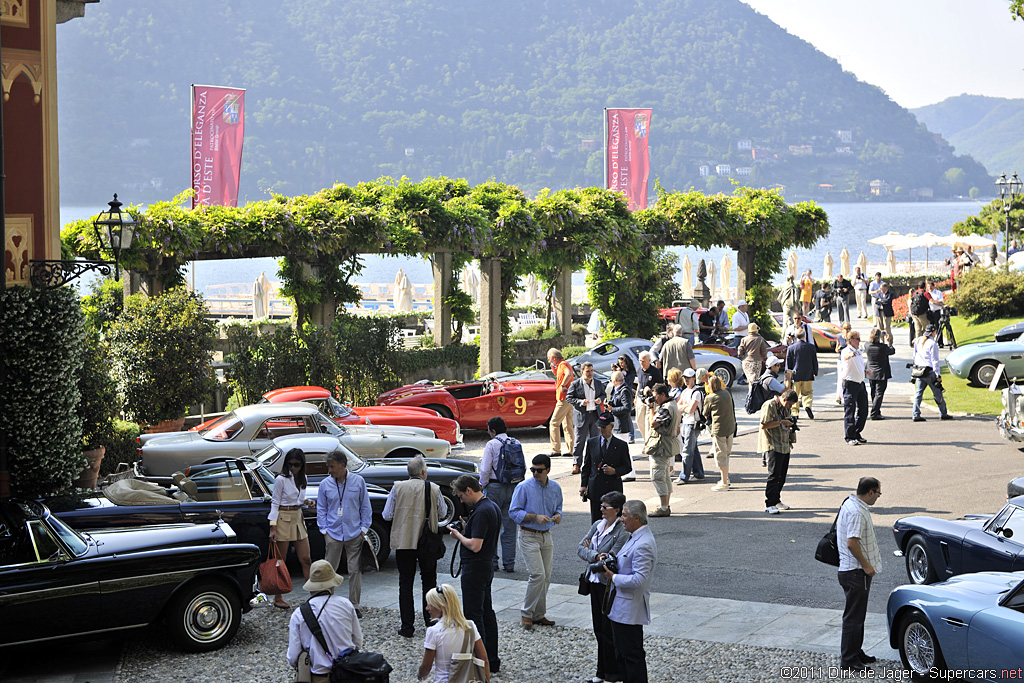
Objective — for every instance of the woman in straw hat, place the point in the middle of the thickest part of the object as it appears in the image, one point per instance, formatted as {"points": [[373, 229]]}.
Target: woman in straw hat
{"points": [[337, 619], [449, 635]]}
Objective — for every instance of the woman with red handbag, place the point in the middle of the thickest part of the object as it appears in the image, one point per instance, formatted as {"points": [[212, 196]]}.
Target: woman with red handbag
{"points": [[286, 503]]}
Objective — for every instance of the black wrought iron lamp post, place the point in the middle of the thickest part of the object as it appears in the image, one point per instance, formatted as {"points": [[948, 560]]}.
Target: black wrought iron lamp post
{"points": [[1008, 191], [115, 231]]}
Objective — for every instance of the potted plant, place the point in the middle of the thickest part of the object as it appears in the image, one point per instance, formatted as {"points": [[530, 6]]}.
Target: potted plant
{"points": [[162, 350], [97, 408]]}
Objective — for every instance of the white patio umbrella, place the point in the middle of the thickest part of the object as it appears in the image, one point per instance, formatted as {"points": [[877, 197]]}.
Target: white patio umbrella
{"points": [[894, 241], [403, 295], [829, 262], [862, 261], [928, 240], [973, 241], [844, 263], [687, 277], [260, 297], [726, 275], [890, 261], [711, 277], [531, 289], [791, 264]]}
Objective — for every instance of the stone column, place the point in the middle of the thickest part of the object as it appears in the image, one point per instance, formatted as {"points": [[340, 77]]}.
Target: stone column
{"points": [[562, 303], [441, 262], [744, 270], [149, 282], [490, 315]]}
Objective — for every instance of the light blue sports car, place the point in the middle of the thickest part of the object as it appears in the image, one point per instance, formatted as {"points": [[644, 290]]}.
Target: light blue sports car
{"points": [[978, 362], [972, 621]]}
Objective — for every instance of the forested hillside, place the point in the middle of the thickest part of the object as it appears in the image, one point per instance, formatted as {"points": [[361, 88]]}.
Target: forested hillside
{"points": [[987, 128], [342, 91]]}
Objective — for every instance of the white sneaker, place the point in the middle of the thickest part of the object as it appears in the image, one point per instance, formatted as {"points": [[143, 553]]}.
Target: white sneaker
{"points": [[772, 510], [782, 506], [629, 477], [720, 487]]}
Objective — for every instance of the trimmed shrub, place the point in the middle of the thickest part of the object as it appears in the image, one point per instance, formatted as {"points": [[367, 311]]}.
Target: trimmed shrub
{"points": [[573, 351], [98, 406], [990, 294], [121, 446], [42, 335]]}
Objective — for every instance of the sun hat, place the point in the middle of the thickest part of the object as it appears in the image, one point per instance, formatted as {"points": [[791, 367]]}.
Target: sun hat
{"points": [[322, 577], [689, 372], [772, 361]]}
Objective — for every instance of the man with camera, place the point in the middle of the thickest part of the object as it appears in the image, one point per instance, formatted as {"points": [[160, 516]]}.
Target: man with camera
{"points": [[537, 508], [606, 460], [926, 372], [775, 441], [662, 446], [630, 579], [478, 547]]}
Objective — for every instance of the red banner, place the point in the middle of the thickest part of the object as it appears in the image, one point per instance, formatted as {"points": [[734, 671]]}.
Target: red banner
{"points": [[627, 162], [218, 127]]}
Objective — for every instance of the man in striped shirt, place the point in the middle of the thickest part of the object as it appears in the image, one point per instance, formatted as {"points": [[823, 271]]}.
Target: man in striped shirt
{"points": [[859, 561]]}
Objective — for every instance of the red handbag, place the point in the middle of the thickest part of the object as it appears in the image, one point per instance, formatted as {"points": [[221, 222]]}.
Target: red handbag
{"points": [[274, 576]]}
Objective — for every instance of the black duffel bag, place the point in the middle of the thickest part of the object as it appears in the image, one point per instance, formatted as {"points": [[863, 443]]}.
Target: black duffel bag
{"points": [[828, 547], [360, 667]]}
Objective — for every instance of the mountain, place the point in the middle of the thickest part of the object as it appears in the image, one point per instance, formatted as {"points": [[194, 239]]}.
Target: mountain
{"points": [[987, 128], [346, 91]]}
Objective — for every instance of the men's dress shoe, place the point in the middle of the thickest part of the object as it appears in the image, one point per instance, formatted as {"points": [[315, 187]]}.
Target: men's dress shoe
{"points": [[594, 679], [852, 442], [359, 614], [764, 460], [947, 416], [544, 621], [867, 659], [556, 455], [629, 477], [772, 510], [575, 469], [810, 414], [877, 417], [661, 512], [527, 623], [781, 506], [919, 419], [509, 570], [406, 633], [861, 439], [699, 478]]}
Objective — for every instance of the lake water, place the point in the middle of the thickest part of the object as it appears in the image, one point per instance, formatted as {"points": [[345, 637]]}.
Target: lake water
{"points": [[852, 225]]}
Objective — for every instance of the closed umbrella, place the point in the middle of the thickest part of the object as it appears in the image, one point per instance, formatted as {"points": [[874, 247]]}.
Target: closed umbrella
{"points": [[844, 263], [890, 260], [711, 276], [687, 277], [862, 261], [726, 275], [531, 289], [791, 263], [404, 295], [829, 262]]}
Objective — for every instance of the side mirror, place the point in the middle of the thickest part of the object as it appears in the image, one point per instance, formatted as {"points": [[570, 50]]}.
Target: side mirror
{"points": [[1007, 533]]}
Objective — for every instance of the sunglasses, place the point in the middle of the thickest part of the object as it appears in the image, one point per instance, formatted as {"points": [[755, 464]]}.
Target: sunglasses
{"points": [[608, 507], [295, 465], [537, 470]]}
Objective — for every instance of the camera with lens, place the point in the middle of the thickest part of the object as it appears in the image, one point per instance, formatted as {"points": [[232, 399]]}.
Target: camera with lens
{"points": [[793, 427], [458, 525], [598, 567]]}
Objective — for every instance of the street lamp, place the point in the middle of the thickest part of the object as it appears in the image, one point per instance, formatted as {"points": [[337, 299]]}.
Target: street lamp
{"points": [[1008, 191], [115, 231]]}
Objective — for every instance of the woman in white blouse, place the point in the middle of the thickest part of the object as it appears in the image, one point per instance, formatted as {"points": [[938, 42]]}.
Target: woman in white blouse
{"points": [[606, 536], [449, 635], [286, 503]]}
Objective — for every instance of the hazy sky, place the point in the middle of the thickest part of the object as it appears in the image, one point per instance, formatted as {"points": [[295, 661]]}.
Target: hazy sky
{"points": [[918, 51]]}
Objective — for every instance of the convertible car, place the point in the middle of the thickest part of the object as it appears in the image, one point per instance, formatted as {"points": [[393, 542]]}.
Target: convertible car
{"points": [[973, 622], [237, 491], [825, 334], [522, 403], [250, 429], [57, 583], [384, 472], [604, 354], [978, 362], [936, 549], [411, 416]]}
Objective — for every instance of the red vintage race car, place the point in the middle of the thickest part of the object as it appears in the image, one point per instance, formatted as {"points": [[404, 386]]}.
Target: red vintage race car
{"points": [[521, 403]]}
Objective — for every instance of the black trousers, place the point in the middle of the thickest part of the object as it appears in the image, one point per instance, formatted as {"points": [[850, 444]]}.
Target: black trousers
{"points": [[877, 394], [407, 561], [476, 605], [843, 305], [855, 408], [857, 586], [607, 666], [778, 468], [629, 651]]}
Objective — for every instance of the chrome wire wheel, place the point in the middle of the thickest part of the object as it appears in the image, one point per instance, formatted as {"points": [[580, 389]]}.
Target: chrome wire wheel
{"points": [[918, 568], [447, 515], [918, 647], [207, 617]]}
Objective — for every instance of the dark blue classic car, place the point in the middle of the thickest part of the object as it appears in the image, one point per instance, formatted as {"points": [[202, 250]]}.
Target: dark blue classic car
{"points": [[936, 549], [237, 491], [973, 622], [56, 582]]}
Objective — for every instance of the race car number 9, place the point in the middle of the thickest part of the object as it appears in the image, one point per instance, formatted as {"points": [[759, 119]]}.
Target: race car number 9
{"points": [[520, 405]]}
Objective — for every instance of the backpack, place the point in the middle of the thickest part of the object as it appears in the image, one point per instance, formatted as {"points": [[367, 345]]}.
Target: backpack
{"points": [[756, 397], [919, 304], [511, 466], [701, 422]]}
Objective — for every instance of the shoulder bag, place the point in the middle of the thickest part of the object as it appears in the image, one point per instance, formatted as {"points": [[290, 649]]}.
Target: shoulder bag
{"points": [[828, 547], [431, 545], [350, 665], [274, 576], [465, 667]]}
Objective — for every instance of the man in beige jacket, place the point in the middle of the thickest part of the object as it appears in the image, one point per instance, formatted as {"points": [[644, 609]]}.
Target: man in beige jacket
{"points": [[405, 510]]}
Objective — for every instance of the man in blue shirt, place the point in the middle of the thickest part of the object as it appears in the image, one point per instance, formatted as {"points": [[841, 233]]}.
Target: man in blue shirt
{"points": [[536, 508], [344, 516]]}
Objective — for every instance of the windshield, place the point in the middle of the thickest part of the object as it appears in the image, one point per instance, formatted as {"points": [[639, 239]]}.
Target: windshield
{"points": [[327, 425], [604, 349], [223, 428], [268, 455], [71, 538], [339, 408]]}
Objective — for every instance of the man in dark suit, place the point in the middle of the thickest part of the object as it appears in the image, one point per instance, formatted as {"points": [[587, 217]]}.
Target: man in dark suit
{"points": [[606, 461], [586, 396], [802, 363]]}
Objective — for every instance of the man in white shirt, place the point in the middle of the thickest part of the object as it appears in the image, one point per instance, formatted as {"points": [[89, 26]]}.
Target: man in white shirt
{"points": [[926, 355], [935, 305], [740, 321], [335, 615], [855, 396], [860, 290], [859, 561]]}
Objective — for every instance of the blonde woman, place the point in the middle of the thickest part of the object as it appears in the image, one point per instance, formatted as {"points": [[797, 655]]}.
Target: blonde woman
{"points": [[841, 342], [448, 636], [721, 417]]}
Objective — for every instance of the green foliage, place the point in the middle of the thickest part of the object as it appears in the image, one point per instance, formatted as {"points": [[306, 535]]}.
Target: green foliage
{"points": [[365, 348], [104, 305], [992, 219], [162, 349], [405, 363], [536, 332], [262, 362], [573, 351], [121, 446], [42, 335], [989, 294], [98, 405]]}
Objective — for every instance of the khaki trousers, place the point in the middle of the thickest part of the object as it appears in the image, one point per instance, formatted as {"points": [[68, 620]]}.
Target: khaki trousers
{"points": [[561, 418], [353, 554], [721, 448], [884, 323], [661, 474], [536, 549], [862, 302], [805, 395]]}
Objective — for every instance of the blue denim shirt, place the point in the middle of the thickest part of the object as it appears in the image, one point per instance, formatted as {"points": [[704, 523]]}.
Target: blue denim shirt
{"points": [[356, 514], [532, 498]]}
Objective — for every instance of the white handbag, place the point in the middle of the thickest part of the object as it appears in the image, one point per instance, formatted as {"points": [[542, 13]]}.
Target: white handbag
{"points": [[464, 667], [305, 671]]}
